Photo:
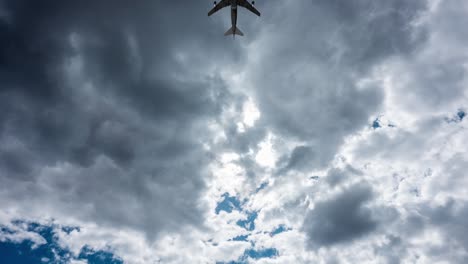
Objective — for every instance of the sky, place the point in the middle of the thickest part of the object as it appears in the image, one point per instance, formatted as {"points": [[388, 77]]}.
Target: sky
{"points": [[135, 132]]}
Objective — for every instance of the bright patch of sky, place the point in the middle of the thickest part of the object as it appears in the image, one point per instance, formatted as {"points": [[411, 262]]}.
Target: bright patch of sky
{"points": [[250, 113], [266, 155]]}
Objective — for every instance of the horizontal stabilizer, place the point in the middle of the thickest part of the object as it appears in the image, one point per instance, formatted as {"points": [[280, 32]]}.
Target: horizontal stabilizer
{"points": [[234, 31]]}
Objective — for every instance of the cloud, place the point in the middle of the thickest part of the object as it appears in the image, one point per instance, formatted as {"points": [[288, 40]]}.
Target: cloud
{"points": [[308, 83], [101, 119], [18, 248], [340, 219], [449, 217], [335, 176], [437, 73], [140, 124]]}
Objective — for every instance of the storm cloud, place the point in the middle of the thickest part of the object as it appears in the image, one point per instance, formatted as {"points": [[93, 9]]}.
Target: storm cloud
{"points": [[308, 83], [136, 121], [341, 218], [98, 118]]}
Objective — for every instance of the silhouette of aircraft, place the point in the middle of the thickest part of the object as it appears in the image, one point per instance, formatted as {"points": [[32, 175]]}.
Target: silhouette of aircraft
{"points": [[234, 4]]}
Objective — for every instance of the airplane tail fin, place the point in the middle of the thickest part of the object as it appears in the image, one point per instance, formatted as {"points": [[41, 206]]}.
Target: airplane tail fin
{"points": [[234, 31]]}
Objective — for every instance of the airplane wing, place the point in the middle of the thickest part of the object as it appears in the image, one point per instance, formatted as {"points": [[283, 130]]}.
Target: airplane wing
{"points": [[219, 6], [246, 4]]}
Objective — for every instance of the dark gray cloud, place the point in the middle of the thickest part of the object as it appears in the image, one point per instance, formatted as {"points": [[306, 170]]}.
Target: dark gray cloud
{"points": [[336, 176], [446, 220], [115, 96], [307, 81], [449, 218], [372, 31], [303, 158], [340, 219]]}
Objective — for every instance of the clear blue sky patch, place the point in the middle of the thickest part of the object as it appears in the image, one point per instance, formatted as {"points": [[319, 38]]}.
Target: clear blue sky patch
{"points": [[461, 114], [376, 123], [228, 204], [240, 238], [279, 229], [261, 253], [249, 223]]}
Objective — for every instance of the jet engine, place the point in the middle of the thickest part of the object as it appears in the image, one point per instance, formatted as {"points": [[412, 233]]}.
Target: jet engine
{"points": [[253, 2], [214, 3]]}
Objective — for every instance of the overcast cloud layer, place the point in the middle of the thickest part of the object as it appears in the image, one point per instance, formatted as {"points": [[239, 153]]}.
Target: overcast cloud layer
{"points": [[333, 132]]}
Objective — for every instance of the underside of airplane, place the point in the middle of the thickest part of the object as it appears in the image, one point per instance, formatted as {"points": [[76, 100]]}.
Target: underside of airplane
{"points": [[234, 4]]}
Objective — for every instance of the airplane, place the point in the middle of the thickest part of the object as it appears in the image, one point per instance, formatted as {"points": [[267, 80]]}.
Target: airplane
{"points": [[234, 3]]}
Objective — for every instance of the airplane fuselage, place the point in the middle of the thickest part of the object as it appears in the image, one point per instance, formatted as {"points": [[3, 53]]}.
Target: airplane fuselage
{"points": [[234, 4], [234, 13]]}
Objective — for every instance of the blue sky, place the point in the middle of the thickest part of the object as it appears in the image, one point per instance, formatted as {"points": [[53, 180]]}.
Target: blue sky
{"points": [[333, 131], [49, 251]]}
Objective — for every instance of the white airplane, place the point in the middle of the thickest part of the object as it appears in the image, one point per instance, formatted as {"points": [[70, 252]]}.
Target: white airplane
{"points": [[234, 3]]}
